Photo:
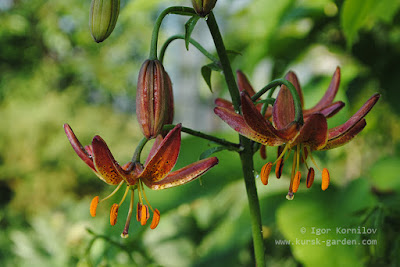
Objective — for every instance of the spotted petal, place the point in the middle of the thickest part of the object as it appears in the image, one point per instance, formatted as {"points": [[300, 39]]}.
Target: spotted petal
{"points": [[361, 113], [184, 175], [314, 132], [345, 137], [107, 167], [162, 162], [330, 94], [76, 145]]}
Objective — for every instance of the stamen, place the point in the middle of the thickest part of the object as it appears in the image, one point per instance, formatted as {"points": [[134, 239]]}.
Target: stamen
{"points": [[296, 181], [297, 158], [265, 171], [128, 219], [123, 198], [93, 206], [312, 159], [145, 215], [113, 192], [145, 198], [304, 155], [310, 177], [279, 168], [325, 179], [156, 219], [263, 152], [282, 153], [290, 196], [138, 211], [114, 214]]}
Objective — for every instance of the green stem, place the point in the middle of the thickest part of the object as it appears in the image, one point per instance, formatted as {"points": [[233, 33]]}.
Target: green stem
{"points": [[139, 148], [223, 142], [293, 91], [181, 10], [246, 155], [193, 42]]}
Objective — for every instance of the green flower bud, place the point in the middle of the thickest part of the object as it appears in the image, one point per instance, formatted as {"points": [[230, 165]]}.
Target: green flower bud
{"points": [[203, 7], [103, 17]]}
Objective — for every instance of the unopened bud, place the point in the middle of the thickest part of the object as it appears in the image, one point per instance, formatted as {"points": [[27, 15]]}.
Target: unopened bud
{"points": [[154, 100], [103, 17], [203, 7]]}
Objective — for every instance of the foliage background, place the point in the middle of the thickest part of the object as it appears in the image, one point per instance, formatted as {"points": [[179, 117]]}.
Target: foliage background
{"points": [[51, 72]]}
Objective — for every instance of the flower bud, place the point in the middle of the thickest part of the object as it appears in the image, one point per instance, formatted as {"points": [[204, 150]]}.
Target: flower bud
{"points": [[154, 100], [103, 17], [203, 7]]}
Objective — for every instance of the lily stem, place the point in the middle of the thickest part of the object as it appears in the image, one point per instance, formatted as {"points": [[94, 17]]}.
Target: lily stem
{"points": [[193, 42], [223, 142], [246, 155], [181, 10], [139, 148], [293, 91]]}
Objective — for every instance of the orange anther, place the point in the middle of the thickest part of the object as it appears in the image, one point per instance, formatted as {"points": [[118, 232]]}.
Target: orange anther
{"points": [[93, 206], [156, 219], [296, 181], [310, 177], [265, 171], [114, 214], [145, 215], [325, 179]]}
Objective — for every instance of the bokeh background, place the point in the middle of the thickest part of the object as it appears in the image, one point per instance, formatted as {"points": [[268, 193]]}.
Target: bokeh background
{"points": [[52, 72]]}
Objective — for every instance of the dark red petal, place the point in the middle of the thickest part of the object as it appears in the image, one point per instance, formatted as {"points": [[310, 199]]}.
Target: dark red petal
{"points": [[328, 111], [154, 148], [314, 132], [184, 175], [76, 145], [292, 77], [162, 162], [283, 111], [360, 114], [346, 137], [256, 121], [220, 102], [237, 123], [244, 84], [107, 168], [330, 94]]}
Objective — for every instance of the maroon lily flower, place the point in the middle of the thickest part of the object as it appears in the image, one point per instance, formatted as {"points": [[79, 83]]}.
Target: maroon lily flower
{"points": [[303, 139], [155, 173]]}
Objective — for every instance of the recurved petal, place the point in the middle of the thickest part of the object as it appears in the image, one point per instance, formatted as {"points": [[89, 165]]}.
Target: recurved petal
{"points": [[244, 84], [346, 137], [328, 111], [361, 113], [283, 111], [220, 102], [76, 145], [292, 77], [258, 123], [154, 148], [330, 94], [162, 162], [107, 168], [184, 175], [314, 132], [236, 122]]}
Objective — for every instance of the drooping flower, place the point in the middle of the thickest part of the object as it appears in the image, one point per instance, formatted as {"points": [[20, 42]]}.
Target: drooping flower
{"points": [[155, 173], [291, 135]]}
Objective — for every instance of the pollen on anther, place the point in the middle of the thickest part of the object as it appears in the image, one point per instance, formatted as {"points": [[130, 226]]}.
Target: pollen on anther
{"points": [[138, 211], [265, 171], [145, 215], [93, 206], [114, 214], [296, 181], [278, 168], [310, 177], [156, 219], [325, 179]]}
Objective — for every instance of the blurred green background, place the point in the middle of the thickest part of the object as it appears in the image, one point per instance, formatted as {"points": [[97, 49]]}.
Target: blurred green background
{"points": [[51, 72]]}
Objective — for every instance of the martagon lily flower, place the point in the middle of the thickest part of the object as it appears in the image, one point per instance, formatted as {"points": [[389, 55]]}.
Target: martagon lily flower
{"points": [[289, 134], [155, 173]]}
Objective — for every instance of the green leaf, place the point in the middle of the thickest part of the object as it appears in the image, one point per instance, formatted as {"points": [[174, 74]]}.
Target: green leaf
{"points": [[211, 151], [359, 14], [189, 27], [206, 72]]}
